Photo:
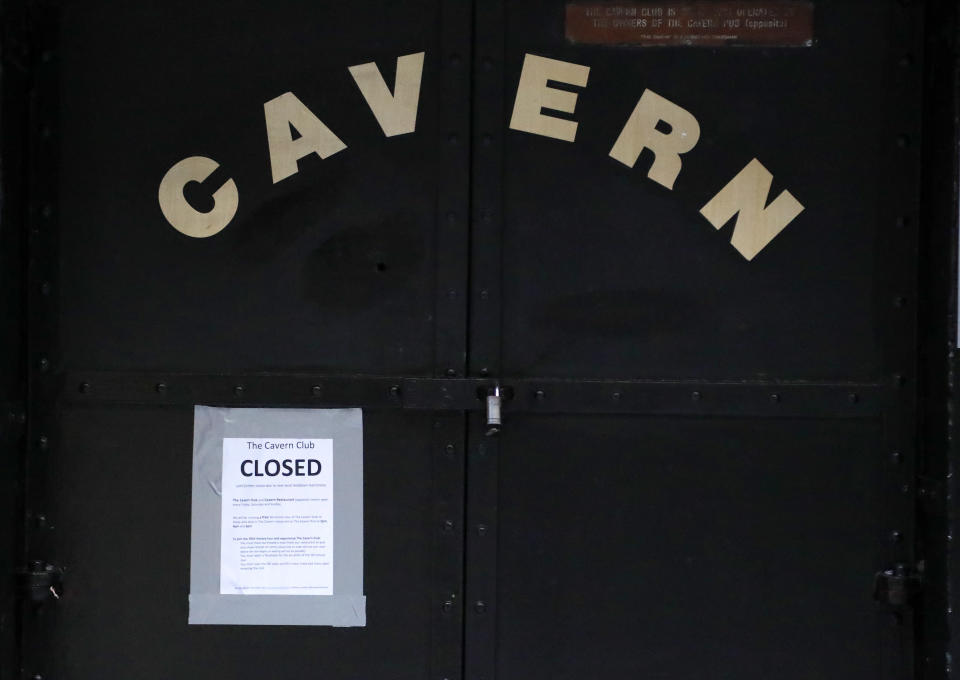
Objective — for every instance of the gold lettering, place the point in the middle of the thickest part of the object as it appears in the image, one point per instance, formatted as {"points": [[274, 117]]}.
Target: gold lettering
{"points": [[315, 137], [640, 132], [745, 196], [534, 95], [396, 112]]}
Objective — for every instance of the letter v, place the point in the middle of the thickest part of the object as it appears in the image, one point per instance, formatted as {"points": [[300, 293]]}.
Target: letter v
{"points": [[397, 111]]}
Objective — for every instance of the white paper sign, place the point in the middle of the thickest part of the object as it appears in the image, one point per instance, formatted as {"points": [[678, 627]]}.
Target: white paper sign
{"points": [[276, 533]]}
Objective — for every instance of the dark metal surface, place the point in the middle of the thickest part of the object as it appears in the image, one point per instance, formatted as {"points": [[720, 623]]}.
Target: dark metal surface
{"points": [[938, 321], [606, 273], [126, 544], [357, 263], [756, 398], [614, 549], [17, 57], [602, 560], [703, 462]]}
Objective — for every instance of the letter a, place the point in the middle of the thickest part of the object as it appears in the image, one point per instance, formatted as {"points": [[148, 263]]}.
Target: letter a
{"points": [[315, 137], [745, 196], [396, 112]]}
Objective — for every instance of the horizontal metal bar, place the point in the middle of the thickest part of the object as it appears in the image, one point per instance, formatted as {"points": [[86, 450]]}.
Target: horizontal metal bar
{"points": [[688, 397]]}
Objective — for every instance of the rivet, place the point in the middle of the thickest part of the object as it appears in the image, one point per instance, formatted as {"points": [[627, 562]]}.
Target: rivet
{"points": [[853, 397], [450, 449], [480, 606], [484, 294], [616, 396], [899, 380], [46, 211], [896, 457], [775, 398], [452, 294], [41, 521], [447, 526], [451, 217], [896, 536], [696, 396], [447, 607], [44, 363], [899, 301], [539, 395], [902, 221], [238, 390], [484, 372], [481, 530], [45, 288], [316, 390], [161, 388], [905, 488], [451, 373], [42, 441], [395, 391]]}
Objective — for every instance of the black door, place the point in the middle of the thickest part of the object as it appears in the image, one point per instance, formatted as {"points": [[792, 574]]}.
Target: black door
{"points": [[708, 440], [708, 457], [341, 268]]}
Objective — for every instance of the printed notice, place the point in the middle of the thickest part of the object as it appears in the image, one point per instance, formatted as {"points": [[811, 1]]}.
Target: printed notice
{"points": [[276, 517]]}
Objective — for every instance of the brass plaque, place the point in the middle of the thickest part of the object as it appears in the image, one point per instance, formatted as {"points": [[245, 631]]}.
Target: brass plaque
{"points": [[771, 23]]}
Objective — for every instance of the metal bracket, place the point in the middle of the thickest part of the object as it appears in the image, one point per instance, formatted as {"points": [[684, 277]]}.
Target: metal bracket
{"points": [[41, 582], [898, 586]]}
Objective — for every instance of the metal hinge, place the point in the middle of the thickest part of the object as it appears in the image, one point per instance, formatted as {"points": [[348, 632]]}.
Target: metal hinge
{"points": [[41, 582], [897, 586]]}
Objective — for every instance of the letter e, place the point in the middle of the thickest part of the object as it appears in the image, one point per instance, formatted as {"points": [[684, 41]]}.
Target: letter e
{"points": [[534, 95]]}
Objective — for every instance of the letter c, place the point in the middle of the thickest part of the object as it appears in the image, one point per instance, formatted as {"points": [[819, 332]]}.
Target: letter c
{"points": [[180, 214], [243, 470]]}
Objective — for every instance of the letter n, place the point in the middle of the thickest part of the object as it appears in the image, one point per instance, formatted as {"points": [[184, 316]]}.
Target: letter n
{"points": [[745, 196]]}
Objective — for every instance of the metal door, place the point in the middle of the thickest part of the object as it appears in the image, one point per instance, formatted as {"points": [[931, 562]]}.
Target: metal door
{"points": [[351, 266], [704, 460]]}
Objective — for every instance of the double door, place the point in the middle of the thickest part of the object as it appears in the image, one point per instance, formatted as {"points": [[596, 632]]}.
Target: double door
{"points": [[707, 438]]}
